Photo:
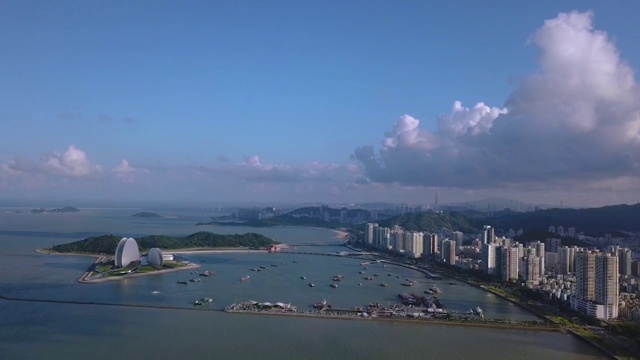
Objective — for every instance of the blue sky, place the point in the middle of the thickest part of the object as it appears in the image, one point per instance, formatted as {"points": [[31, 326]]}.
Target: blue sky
{"points": [[279, 100]]}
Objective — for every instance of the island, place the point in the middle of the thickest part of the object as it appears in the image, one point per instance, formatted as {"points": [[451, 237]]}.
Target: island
{"points": [[109, 250], [65, 209], [144, 214]]}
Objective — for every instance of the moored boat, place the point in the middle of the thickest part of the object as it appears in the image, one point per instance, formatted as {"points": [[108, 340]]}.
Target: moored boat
{"points": [[245, 278]]}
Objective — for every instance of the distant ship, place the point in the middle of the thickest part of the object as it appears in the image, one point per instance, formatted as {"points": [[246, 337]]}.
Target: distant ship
{"points": [[303, 277], [334, 285], [245, 278], [435, 290], [311, 285]]}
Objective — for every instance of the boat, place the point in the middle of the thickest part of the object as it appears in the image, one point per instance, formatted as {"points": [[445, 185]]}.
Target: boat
{"points": [[303, 277], [321, 304], [337, 278], [207, 273], [183, 282], [334, 285], [245, 278], [254, 269], [435, 289], [312, 284], [384, 284], [274, 265], [360, 272], [203, 301], [263, 267], [478, 310]]}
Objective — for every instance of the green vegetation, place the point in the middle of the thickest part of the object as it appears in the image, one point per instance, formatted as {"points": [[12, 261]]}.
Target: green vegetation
{"points": [[595, 221], [281, 220], [433, 221], [107, 244]]}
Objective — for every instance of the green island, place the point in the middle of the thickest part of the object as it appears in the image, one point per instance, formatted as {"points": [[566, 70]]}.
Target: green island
{"points": [[105, 267], [106, 244]]}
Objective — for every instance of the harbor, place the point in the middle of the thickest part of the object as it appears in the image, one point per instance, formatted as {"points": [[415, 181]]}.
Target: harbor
{"points": [[379, 312]]}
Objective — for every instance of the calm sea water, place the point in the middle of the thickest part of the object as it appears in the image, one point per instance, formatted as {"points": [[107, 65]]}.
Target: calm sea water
{"points": [[39, 330]]}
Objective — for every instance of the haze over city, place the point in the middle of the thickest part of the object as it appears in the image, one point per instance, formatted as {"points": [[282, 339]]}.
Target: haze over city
{"points": [[320, 101]]}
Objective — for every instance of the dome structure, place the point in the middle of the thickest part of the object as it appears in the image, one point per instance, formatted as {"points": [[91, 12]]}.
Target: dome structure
{"points": [[127, 252], [155, 257]]}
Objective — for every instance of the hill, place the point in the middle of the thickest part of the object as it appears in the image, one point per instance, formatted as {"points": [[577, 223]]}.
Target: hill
{"points": [[107, 243], [434, 221], [593, 221]]}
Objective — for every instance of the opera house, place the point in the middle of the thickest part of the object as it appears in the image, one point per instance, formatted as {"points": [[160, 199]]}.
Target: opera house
{"points": [[155, 258], [127, 252]]}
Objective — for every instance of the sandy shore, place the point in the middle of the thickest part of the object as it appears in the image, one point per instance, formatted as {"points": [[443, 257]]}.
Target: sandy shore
{"points": [[341, 234]]}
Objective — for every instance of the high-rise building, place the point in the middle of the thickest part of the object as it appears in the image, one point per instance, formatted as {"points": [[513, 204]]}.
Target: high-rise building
{"points": [[635, 268], [571, 232], [531, 269], [540, 252], [449, 252], [488, 235], [552, 244], [607, 284], [369, 233], [488, 258], [382, 237], [562, 265], [413, 241], [398, 239], [596, 292], [625, 258], [431, 245], [560, 230], [458, 237], [552, 229], [508, 263]]}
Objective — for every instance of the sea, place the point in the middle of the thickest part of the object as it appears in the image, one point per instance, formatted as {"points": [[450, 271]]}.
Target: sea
{"points": [[52, 316]]}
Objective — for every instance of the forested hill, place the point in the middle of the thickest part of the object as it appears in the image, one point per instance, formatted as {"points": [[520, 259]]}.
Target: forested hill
{"points": [[434, 221], [593, 221], [107, 243]]}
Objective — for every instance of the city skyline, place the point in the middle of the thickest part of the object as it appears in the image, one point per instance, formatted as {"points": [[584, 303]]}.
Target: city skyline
{"points": [[336, 103]]}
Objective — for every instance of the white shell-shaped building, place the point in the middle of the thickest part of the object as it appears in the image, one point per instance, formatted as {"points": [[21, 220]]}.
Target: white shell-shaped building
{"points": [[155, 257], [126, 252]]}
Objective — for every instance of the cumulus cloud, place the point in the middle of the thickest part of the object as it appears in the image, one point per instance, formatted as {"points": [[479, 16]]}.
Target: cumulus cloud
{"points": [[126, 172], [575, 119], [72, 163]]}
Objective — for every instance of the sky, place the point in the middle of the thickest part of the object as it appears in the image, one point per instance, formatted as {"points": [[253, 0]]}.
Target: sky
{"points": [[320, 101]]}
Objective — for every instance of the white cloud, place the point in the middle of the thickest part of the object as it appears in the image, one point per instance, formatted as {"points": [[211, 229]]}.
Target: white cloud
{"points": [[72, 163], [576, 119], [126, 172]]}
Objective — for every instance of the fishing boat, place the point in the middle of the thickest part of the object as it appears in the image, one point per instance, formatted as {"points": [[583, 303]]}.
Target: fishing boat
{"points": [[334, 285], [312, 284], [245, 278]]}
